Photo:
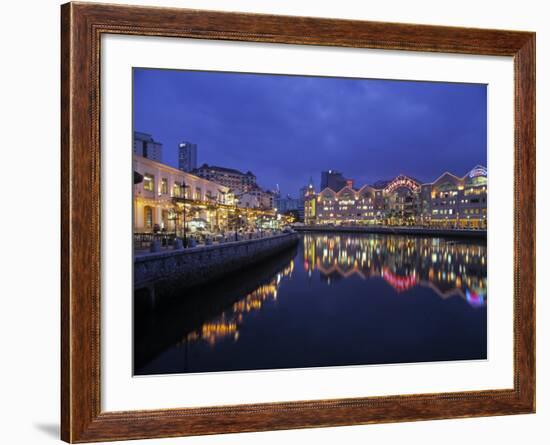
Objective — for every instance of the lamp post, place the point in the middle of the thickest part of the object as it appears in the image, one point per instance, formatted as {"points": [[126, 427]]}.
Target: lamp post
{"points": [[217, 204], [184, 186], [237, 223], [174, 217]]}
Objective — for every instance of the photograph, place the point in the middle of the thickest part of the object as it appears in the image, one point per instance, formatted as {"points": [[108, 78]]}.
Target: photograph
{"points": [[297, 221]]}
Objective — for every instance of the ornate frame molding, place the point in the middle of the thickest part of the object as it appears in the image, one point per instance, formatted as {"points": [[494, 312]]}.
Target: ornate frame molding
{"points": [[82, 25]]}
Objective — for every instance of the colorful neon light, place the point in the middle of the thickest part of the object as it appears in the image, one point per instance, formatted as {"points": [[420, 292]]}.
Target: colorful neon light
{"points": [[475, 299], [402, 181], [478, 171], [399, 283]]}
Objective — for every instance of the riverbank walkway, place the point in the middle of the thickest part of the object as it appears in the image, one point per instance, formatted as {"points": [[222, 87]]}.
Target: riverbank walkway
{"points": [[155, 243], [200, 264]]}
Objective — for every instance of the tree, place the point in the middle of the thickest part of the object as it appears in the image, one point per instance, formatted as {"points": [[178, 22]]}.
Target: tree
{"points": [[294, 214]]}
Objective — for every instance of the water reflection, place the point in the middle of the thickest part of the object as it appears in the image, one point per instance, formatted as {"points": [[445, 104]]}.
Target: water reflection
{"points": [[227, 324], [449, 267], [338, 299]]}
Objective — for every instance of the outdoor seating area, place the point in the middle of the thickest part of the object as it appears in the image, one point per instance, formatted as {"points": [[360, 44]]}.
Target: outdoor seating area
{"points": [[156, 242]]}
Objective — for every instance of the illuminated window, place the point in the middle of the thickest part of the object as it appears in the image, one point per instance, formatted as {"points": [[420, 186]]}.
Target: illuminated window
{"points": [[148, 217], [178, 190], [198, 193], [164, 186], [148, 182]]}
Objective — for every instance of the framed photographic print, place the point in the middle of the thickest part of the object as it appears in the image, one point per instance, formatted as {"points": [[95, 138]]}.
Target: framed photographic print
{"points": [[276, 222]]}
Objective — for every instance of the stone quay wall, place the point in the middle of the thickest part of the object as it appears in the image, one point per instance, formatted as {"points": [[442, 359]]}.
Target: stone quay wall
{"points": [[389, 230], [199, 265]]}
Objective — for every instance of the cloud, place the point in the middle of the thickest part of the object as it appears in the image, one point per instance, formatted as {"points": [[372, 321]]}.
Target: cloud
{"points": [[286, 128]]}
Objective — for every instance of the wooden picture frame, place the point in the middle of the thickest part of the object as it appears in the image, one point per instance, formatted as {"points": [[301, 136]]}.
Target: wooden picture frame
{"points": [[82, 25]]}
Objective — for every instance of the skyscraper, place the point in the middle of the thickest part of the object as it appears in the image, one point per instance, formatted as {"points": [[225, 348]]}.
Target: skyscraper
{"points": [[187, 159], [334, 180], [146, 146]]}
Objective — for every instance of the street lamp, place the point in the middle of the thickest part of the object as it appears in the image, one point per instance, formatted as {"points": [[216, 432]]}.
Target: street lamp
{"points": [[237, 224], [184, 186], [217, 204], [174, 217]]}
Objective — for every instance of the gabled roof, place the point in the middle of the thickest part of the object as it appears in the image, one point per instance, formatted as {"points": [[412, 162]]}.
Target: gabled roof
{"points": [[457, 177], [366, 187], [446, 174], [327, 190], [346, 188]]}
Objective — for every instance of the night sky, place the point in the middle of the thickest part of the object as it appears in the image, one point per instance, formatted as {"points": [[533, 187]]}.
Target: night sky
{"points": [[288, 128]]}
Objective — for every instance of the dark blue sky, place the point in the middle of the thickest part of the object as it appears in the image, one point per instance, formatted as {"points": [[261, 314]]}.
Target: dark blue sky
{"points": [[288, 128]]}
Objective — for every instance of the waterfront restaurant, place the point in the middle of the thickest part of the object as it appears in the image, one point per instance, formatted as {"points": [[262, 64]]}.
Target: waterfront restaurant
{"points": [[167, 200], [160, 190], [450, 201]]}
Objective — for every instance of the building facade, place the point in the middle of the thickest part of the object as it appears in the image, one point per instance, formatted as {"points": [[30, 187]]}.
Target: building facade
{"points": [[187, 156], [145, 146], [450, 201], [168, 200], [304, 192], [287, 204], [256, 197], [236, 180], [164, 190]]}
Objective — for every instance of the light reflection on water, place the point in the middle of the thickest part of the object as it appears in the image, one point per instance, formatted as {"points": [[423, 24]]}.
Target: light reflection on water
{"points": [[307, 307], [226, 325], [446, 267]]}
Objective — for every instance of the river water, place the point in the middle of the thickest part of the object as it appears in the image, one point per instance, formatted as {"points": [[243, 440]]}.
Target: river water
{"points": [[334, 300]]}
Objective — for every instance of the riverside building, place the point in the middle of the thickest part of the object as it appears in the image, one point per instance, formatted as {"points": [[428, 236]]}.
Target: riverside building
{"points": [[146, 146], [187, 156], [236, 180], [450, 201], [169, 200], [162, 192]]}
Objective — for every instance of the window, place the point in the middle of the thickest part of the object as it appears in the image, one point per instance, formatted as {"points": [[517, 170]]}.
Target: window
{"points": [[164, 186], [148, 182], [198, 193], [176, 189], [148, 217]]}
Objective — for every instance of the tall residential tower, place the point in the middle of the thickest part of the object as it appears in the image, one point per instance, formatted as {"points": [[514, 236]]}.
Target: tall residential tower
{"points": [[146, 146], [334, 180], [187, 158]]}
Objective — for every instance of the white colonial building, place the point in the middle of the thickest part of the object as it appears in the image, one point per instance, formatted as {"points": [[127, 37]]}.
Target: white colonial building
{"points": [[159, 189]]}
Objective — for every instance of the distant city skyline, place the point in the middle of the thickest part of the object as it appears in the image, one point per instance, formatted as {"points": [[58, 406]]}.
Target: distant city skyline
{"points": [[286, 129]]}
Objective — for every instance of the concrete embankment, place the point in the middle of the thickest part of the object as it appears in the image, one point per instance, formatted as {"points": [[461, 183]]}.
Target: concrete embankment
{"points": [[415, 231], [181, 312], [199, 265]]}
